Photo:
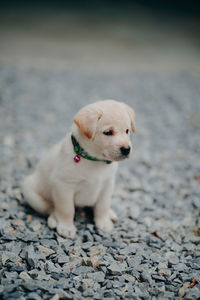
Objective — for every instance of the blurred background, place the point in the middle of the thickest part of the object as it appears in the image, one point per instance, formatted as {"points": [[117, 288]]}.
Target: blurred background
{"points": [[102, 36]]}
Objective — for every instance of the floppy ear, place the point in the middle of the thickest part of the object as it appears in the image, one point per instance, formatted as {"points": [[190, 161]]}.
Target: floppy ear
{"points": [[86, 120], [131, 115]]}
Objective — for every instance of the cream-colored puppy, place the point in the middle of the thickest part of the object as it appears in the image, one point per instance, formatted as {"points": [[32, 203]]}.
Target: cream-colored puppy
{"points": [[80, 170]]}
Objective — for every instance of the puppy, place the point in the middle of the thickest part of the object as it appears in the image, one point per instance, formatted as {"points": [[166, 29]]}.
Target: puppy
{"points": [[80, 169]]}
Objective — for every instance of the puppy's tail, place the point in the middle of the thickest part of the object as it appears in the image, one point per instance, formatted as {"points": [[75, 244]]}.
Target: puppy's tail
{"points": [[32, 197]]}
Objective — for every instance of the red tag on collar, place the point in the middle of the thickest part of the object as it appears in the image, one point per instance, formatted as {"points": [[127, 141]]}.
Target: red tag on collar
{"points": [[77, 158]]}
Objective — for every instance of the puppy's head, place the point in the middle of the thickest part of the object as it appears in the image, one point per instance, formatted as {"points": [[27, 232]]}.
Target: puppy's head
{"points": [[105, 128]]}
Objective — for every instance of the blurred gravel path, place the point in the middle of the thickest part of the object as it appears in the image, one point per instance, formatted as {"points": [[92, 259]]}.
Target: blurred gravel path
{"points": [[154, 252]]}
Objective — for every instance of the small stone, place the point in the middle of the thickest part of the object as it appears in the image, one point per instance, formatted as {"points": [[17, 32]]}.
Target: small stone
{"points": [[33, 273], [134, 262], [30, 285], [41, 276], [185, 277], [62, 258], [181, 267], [8, 256], [51, 268], [173, 276], [165, 272], [182, 291], [158, 277], [76, 293], [87, 283], [145, 276], [82, 270], [35, 225], [195, 266], [30, 256], [177, 280], [162, 265], [23, 275], [155, 257], [45, 251], [119, 258], [17, 267], [92, 261], [18, 222], [141, 292], [55, 297], [128, 250], [11, 275], [109, 295], [87, 245], [97, 276], [172, 258], [97, 250], [64, 295], [9, 141], [129, 278], [61, 295], [189, 247], [193, 294], [115, 269], [33, 296], [177, 248], [9, 288], [75, 261], [133, 211], [51, 244], [88, 238], [88, 293], [4, 206]]}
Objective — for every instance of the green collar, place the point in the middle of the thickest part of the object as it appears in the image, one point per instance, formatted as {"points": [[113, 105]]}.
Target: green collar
{"points": [[81, 152]]}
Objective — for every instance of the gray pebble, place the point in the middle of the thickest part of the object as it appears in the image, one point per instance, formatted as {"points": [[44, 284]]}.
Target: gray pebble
{"points": [[33, 296], [97, 276], [194, 266], [172, 258], [24, 275], [30, 256], [181, 267], [82, 270], [62, 258], [35, 225], [115, 269], [158, 277], [51, 268], [45, 251]]}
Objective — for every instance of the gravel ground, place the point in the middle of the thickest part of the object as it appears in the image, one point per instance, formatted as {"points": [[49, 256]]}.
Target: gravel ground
{"points": [[154, 251]]}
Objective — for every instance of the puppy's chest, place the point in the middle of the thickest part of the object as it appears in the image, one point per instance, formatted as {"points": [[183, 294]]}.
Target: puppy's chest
{"points": [[88, 179], [89, 188], [87, 192]]}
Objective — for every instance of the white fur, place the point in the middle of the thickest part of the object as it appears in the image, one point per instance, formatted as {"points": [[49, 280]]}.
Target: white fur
{"points": [[59, 184]]}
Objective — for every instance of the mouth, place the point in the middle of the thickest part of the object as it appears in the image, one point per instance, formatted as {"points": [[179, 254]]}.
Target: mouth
{"points": [[117, 157], [121, 157]]}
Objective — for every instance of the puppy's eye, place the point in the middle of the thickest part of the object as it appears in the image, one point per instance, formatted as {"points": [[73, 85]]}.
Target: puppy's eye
{"points": [[127, 131], [110, 132]]}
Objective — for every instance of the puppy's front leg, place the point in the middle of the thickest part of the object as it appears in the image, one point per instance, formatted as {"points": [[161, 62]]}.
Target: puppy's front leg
{"points": [[102, 211], [63, 210]]}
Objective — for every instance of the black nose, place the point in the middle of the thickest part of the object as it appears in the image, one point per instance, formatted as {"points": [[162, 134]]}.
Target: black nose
{"points": [[125, 150]]}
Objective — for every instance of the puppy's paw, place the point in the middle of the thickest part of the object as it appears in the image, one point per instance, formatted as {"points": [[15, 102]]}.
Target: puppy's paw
{"points": [[66, 231], [51, 222], [104, 224], [112, 215]]}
